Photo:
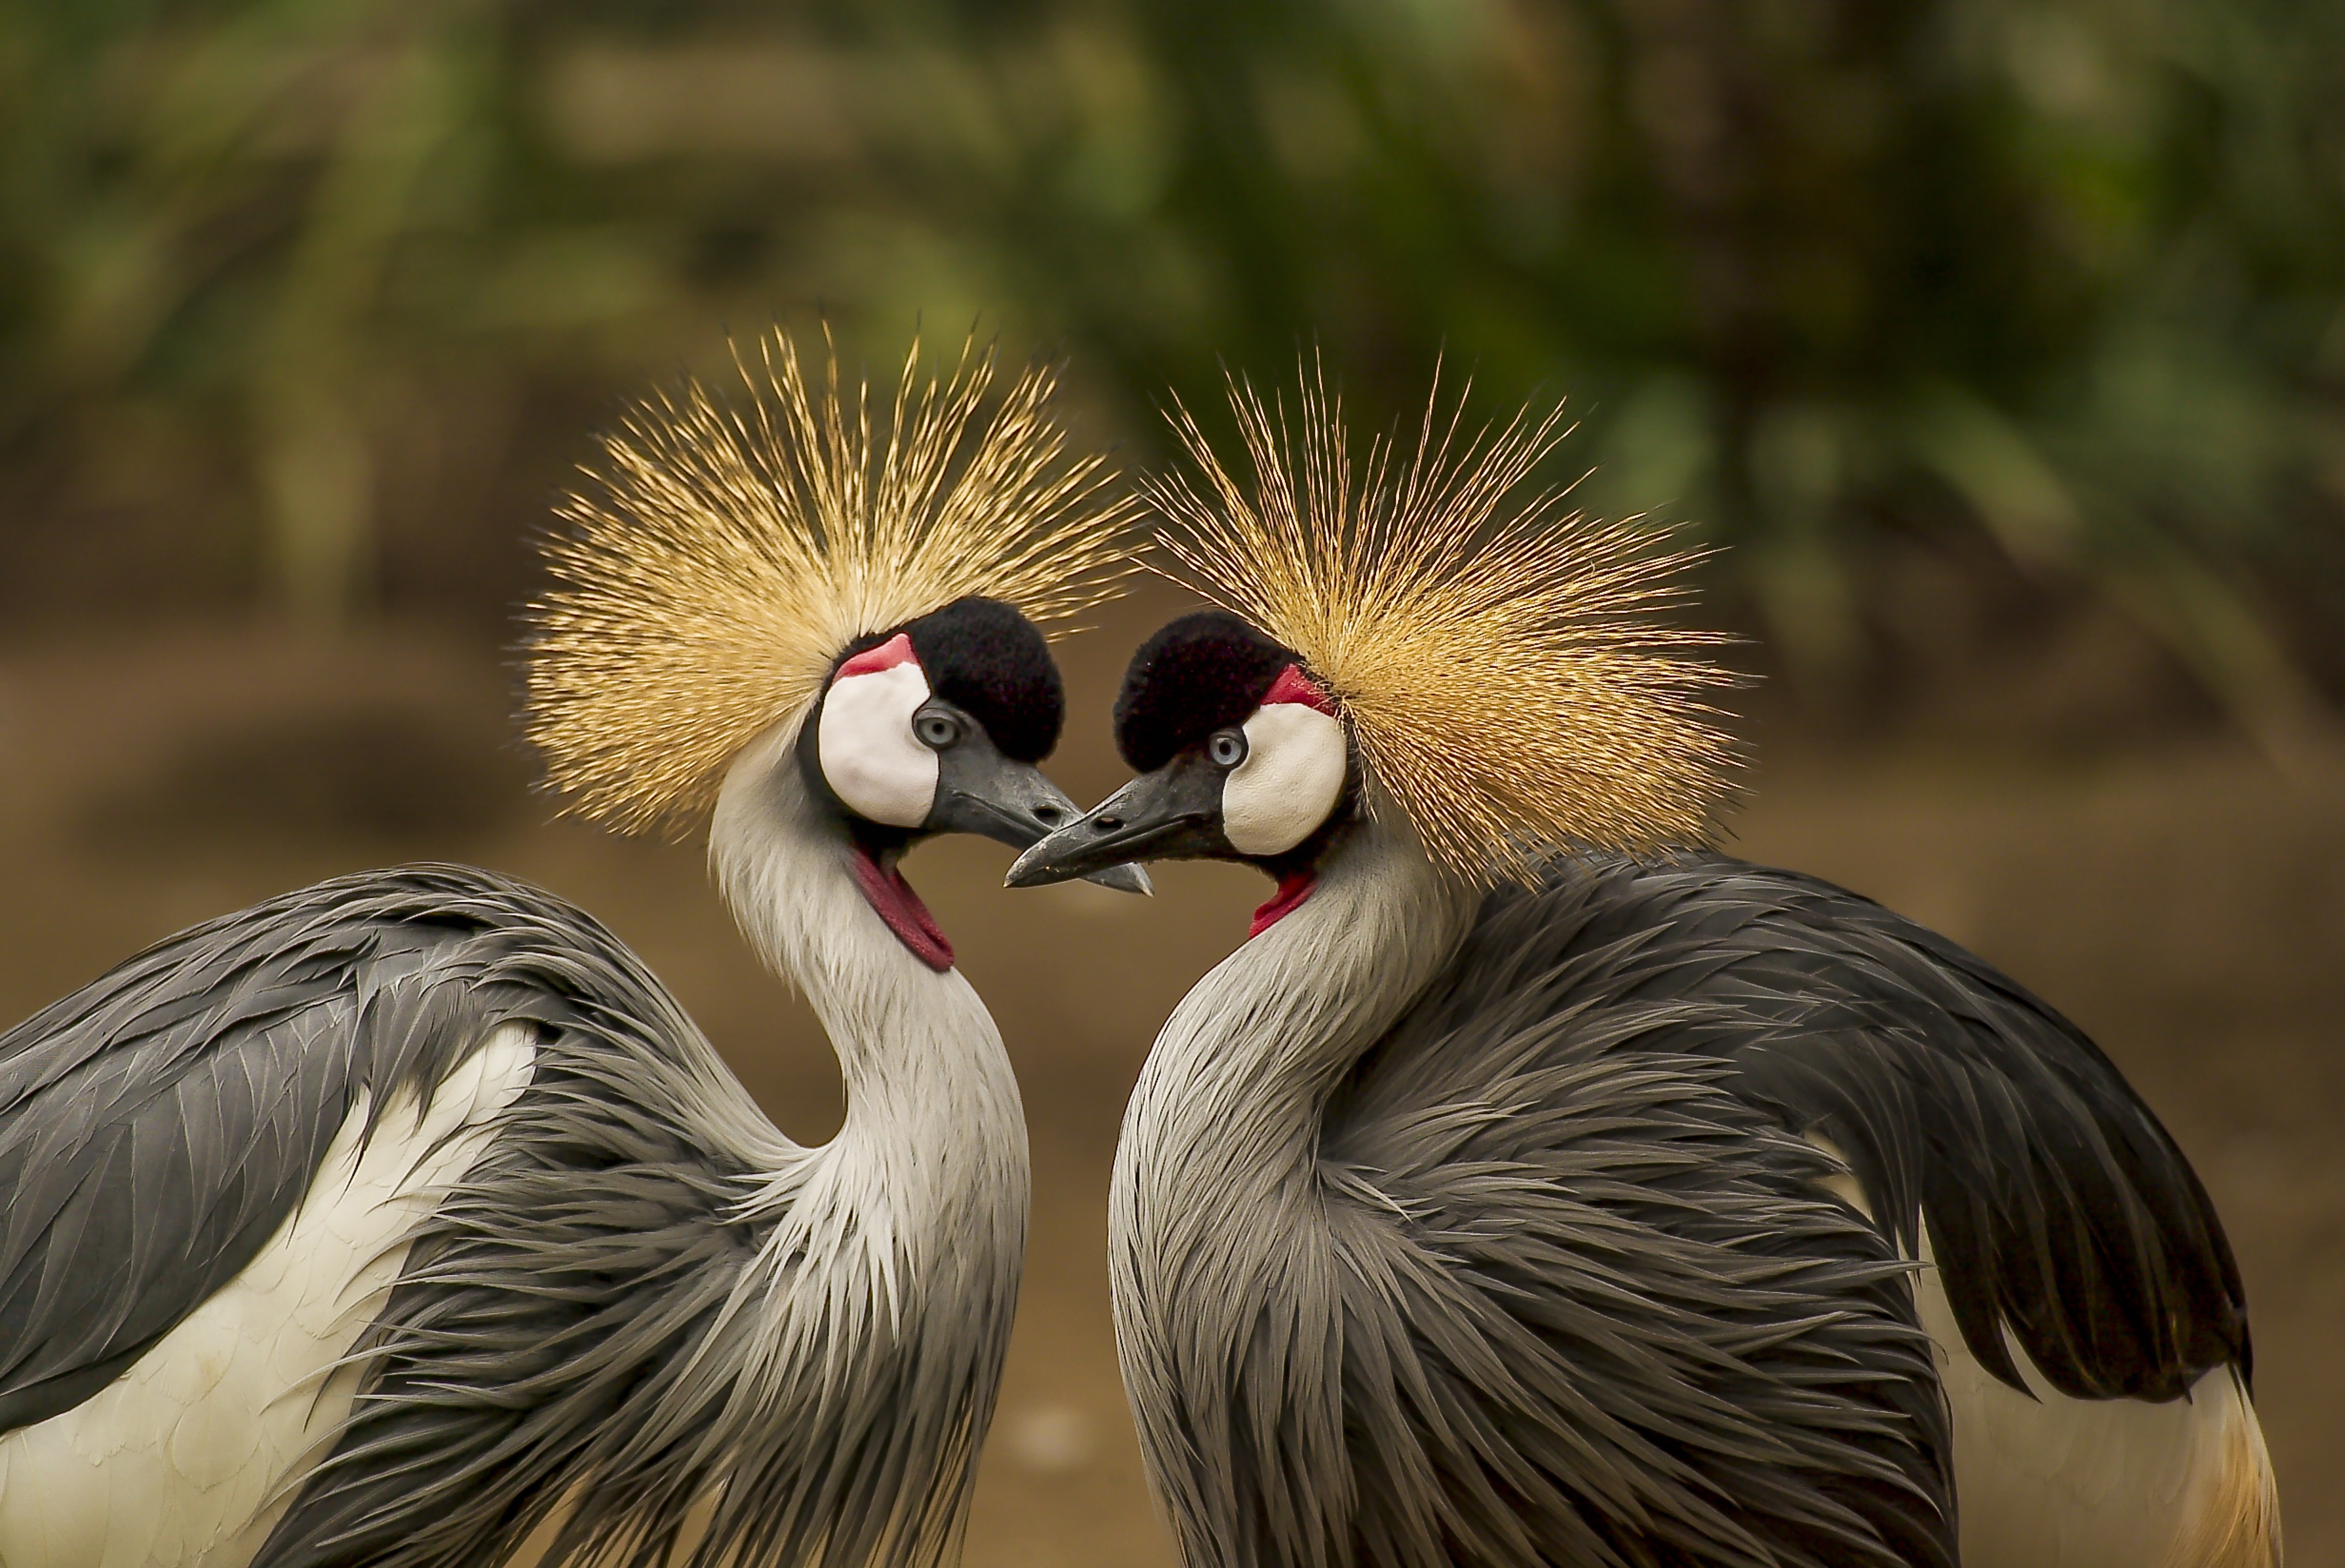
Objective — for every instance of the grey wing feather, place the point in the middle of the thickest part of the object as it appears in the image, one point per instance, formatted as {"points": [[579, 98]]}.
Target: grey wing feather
{"points": [[160, 1125], [1604, 1310], [155, 1128], [1599, 1307], [2056, 1201]]}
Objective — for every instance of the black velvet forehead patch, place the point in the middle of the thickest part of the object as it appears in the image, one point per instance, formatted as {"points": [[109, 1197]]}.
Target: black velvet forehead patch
{"points": [[1202, 672], [988, 660]]}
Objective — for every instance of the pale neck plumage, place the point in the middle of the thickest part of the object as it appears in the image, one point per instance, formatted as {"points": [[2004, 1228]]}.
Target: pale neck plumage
{"points": [[1267, 1034], [931, 1160], [1236, 1088], [1218, 1194]]}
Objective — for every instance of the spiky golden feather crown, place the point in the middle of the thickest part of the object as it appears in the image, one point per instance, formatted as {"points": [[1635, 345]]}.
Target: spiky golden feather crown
{"points": [[1496, 663], [728, 553]]}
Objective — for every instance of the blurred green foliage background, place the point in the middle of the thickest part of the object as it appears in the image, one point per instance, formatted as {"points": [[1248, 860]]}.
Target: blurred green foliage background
{"points": [[1951, 317]]}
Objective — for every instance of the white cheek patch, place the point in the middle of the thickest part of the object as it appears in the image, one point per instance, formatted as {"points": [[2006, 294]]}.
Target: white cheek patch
{"points": [[1290, 780], [868, 753]]}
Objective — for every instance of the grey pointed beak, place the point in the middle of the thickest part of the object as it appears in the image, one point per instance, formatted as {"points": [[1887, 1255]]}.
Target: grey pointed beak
{"points": [[1173, 813], [981, 791]]}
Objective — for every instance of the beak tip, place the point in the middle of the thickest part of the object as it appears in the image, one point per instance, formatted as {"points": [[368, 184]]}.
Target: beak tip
{"points": [[1028, 871], [1126, 879]]}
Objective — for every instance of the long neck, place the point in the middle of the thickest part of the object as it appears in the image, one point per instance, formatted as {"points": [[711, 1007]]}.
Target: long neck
{"points": [[1217, 1197], [1230, 1099], [920, 1201], [874, 1315], [1251, 1052], [932, 1108]]}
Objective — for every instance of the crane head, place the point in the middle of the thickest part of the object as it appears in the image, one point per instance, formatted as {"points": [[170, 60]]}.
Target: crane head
{"points": [[802, 576], [1242, 756], [934, 727], [736, 549], [1423, 635]]}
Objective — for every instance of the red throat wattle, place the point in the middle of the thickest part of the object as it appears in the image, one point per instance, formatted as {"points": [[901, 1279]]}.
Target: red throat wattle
{"points": [[1292, 889], [884, 889]]}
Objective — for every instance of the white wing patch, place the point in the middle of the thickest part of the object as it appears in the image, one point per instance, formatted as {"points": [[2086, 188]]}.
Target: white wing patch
{"points": [[1289, 782], [2059, 1482], [2098, 1484], [868, 753], [189, 1457]]}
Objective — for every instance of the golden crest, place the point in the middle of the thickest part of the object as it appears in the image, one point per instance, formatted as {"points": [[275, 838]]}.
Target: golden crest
{"points": [[1495, 658], [728, 551]]}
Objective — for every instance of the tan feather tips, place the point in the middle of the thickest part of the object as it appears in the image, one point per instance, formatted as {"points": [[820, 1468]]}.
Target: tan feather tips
{"points": [[729, 549], [1494, 656]]}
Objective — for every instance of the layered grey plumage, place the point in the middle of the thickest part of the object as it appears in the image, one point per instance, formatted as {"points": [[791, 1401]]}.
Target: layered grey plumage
{"points": [[1495, 1231], [580, 1324]]}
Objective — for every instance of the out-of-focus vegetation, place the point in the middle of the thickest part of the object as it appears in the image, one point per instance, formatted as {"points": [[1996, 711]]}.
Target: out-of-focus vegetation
{"points": [[309, 298]]}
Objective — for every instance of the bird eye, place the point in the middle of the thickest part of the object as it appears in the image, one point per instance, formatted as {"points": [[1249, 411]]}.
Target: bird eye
{"points": [[1227, 748], [937, 732]]}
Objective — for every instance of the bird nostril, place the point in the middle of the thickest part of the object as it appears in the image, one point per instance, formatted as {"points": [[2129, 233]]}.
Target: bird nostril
{"points": [[1107, 824], [1047, 814]]}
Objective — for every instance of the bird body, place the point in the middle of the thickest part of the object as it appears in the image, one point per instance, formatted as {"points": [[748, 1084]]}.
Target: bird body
{"points": [[407, 1220], [1536, 1185], [592, 1258], [1431, 1168]]}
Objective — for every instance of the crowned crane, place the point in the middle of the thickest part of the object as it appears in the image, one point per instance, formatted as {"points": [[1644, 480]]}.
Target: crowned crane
{"points": [[407, 1219], [1538, 1186]]}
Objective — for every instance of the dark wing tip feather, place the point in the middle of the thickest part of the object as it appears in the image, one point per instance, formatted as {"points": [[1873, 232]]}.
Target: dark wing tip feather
{"points": [[2056, 1202]]}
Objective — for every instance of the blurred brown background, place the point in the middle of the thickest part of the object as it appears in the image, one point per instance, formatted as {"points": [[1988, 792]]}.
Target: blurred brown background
{"points": [[2000, 343]]}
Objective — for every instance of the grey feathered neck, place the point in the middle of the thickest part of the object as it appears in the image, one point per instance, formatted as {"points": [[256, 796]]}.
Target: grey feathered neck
{"points": [[1230, 1099], [878, 1309]]}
